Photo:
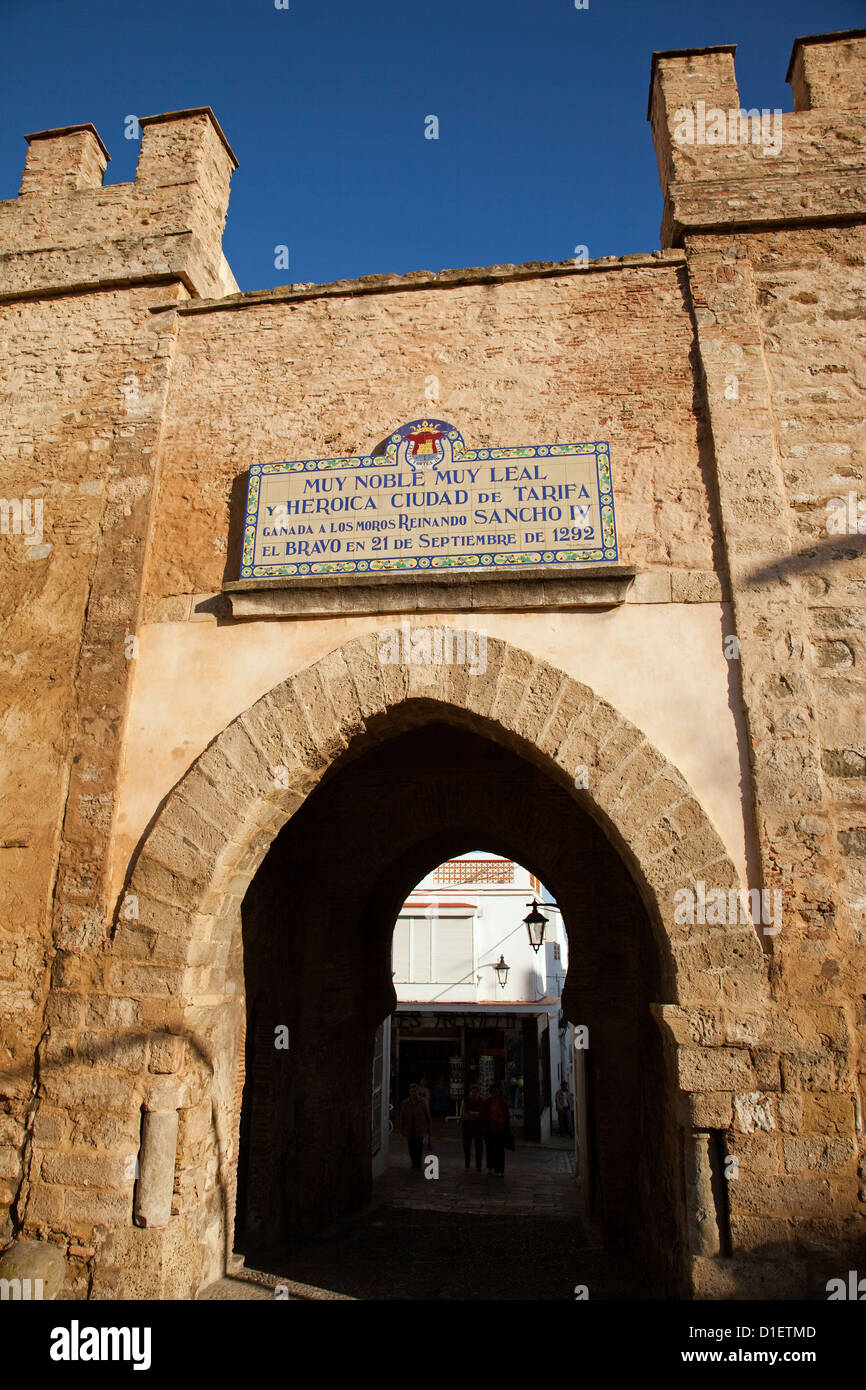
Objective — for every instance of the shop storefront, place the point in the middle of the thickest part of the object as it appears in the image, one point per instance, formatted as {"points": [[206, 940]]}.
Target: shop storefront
{"points": [[451, 1051]]}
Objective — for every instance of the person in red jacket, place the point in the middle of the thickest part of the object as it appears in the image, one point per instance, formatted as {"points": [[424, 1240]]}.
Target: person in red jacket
{"points": [[472, 1124], [497, 1124]]}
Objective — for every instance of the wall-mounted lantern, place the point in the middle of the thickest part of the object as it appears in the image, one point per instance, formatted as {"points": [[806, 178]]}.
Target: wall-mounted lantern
{"points": [[535, 923]]}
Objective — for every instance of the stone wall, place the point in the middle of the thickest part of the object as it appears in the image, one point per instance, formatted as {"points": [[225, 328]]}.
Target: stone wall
{"points": [[144, 714], [601, 352], [85, 371], [779, 312]]}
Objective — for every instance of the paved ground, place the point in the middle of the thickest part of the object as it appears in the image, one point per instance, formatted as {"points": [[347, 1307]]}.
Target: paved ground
{"points": [[463, 1235]]}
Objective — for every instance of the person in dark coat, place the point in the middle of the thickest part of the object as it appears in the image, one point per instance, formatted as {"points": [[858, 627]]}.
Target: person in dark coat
{"points": [[415, 1123]]}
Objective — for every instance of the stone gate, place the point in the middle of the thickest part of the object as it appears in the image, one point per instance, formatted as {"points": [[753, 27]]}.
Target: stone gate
{"points": [[663, 735]]}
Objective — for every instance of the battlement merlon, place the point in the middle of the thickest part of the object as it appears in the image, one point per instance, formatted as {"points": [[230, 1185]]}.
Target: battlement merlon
{"points": [[829, 70], [165, 226], [72, 157], [723, 168]]}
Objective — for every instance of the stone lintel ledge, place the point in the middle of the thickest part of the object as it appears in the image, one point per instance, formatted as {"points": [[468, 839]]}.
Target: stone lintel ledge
{"points": [[432, 280], [596, 586]]}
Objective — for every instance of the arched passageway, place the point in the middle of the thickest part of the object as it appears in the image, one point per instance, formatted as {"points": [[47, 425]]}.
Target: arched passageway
{"points": [[343, 785], [317, 924]]}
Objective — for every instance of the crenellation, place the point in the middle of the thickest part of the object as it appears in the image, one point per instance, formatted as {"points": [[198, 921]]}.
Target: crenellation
{"points": [[723, 167], [827, 70], [58, 160], [66, 232], [679, 78]]}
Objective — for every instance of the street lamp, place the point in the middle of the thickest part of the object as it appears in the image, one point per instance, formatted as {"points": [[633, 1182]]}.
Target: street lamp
{"points": [[502, 971], [535, 924]]}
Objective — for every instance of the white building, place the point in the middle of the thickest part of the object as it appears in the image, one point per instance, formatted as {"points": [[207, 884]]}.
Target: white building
{"points": [[458, 1018]]}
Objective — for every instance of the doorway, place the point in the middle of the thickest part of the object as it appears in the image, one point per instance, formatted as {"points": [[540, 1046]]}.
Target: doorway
{"points": [[317, 926]]}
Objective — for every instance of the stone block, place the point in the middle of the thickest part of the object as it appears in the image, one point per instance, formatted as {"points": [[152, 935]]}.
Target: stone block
{"points": [[742, 1279], [64, 1010], [753, 1111], [166, 1054], [165, 1091], [705, 1109], [788, 1109], [196, 829], [35, 1259], [714, 1069], [72, 1089], [573, 703], [692, 586], [743, 987], [650, 586], [828, 1113], [236, 768], [337, 680], [159, 981], [45, 1207], [83, 1170], [767, 1070], [425, 680], [765, 1237], [789, 1195], [296, 745], [814, 1153], [10, 1161], [108, 1048], [310, 691], [110, 1011], [755, 1153], [812, 1072], [11, 1131], [86, 1208], [154, 880]]}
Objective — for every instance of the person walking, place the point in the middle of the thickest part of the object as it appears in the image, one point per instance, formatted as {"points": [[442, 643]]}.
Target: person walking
{"points": [[497, 1126], [563, 1111], [415, 1123], [472, 1125]]}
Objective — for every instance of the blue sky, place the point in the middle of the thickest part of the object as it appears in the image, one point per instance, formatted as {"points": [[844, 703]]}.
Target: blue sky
{"points": [[543, 139]]}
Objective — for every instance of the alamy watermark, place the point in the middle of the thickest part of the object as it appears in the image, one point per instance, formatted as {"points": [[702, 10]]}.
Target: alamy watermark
{"points": [[729, 906], [846, 516], [22, 516], [22, 1290], [713, 126], [854, 1289], [77, 1343], [434, 646]]}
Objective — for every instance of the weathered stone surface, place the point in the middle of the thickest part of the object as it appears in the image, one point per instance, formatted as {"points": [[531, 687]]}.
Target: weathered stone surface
{"points": [[754, 1111], [704, 1110], [156, 1168], [139, 390], [713, 1068], [35, 1260]]}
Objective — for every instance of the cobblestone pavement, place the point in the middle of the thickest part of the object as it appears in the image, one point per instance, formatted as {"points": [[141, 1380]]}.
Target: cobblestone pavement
{"points": [[464, 1235]]}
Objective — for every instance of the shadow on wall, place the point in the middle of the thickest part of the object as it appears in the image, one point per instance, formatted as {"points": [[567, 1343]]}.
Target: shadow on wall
{"points": [[834, 549], [198, 1078]]}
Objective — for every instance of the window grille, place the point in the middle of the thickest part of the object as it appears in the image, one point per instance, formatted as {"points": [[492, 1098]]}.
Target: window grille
{"points": [[459, 871]]}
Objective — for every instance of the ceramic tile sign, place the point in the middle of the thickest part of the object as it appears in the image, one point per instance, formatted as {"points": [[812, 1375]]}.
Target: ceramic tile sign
{"points": [[427, 503]]}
